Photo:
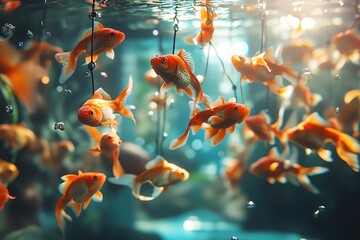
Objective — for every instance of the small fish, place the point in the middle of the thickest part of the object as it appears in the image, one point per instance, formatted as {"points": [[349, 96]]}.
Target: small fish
{"points": [[234, 172], [108, 143], [152, 78], [17, 136], [99, 110], [313, 133], [262, 68], [8, 172], [54, 154], [159, 173], [177, 71], [348, 44], [207, 28], [221, 118], [274, 168], [4, 196], [105, 39], [78, 190], [9, 6], [298, 52]]}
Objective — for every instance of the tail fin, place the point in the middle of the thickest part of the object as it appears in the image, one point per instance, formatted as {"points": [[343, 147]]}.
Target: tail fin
{"points": [[117, 169], [69, 64], [305, 181], [178, 142], [206, 100], [125, 110], [61, 214]]}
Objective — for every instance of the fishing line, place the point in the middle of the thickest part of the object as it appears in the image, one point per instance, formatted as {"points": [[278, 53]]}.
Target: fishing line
{"points": [[262, 43], [158, 123], [92, 64]]}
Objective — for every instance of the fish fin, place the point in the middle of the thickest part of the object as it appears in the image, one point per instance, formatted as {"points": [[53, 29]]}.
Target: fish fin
{"points": [[350, 95], [210, 132], [269, 56], [274, 153], [265, 116], [156, 192], [316, 119], [325, 154], [286, 92], [86, 203], [97, 197], [215, 120], [259, 60], [315, 99], [186, 56], [88, 59], [305, 182], [231, 129], [281, 179], [100, 93], [117, 169], [157, 161], [80, 172], [218, 102], [88, 31], [346, 148], [68, 61], [178, 90], [354, 57], [178, 142], [126, 180], [271, 180], [219, 136], [190, 40], [67, 181], [313, 170], [60, 214], [188, 92], [93, 132], [273, 166], [110, 54], [76, 207], [308, 151], [293, 179], [195, 129], [275, 85], [165, 87], [95, 150], [340, 63], [123, 109], [206, 99]]}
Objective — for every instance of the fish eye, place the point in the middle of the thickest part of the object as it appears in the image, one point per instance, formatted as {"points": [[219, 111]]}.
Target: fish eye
{"points": [[91, 112], [112, 34], [182, 174], [109, 137], [163, 60], [95, 177], [235, 108]]}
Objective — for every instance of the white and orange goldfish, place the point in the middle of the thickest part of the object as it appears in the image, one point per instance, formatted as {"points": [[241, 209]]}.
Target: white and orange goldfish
{"points": [[8, 172], [207, 27], [17, 136], [262, 68], [348, 44], [105, 39], [274, 168], [4, 196], [221, 118], [78, 190], [177, 71], [108, 143], [313, 133], [99, 110], [159, 173]]}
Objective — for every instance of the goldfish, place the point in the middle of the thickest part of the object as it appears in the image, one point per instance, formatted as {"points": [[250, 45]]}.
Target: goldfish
{"points": [[78, 190], [348, 44], [160, 101], [8, 172], [262, 68], [274, 168], [313, 133], [105, 40], [4, 196], [297, 52], [221, 118], [177, 70], [159, 173], [9, 6], [348, 117], [54, 153], [207, 28], [17, 136], [152, 78], [99, 110], [234, 172], [108, 143]]}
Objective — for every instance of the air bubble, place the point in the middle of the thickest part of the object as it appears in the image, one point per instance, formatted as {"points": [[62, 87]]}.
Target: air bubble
{"points": [[91, 66], [104, 74], [9, 109], [30, 34], [92, 15], [21, 44], [48, 34], [250, 204], [150, 113], [316, 213], [234, 238], [337, 77], [165, 135], [68, 91], [321, 208], [8, 29], [86, 74], [132, 107], [60, 126], [337, 109]]}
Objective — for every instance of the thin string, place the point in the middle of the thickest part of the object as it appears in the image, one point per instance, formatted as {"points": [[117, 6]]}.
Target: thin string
{"points": [[357, 13], [262, 44], [92, 64]]}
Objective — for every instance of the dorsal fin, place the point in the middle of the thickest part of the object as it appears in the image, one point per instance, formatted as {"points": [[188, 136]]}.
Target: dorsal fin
{"points": [[232, 100], [184, 55], [274, 153], [158, 160], [266, 116], [80, 172], [315, 118], [100, 93], [349, 96], [67, 180], [269, 56], [88, 31], [218, 102]]}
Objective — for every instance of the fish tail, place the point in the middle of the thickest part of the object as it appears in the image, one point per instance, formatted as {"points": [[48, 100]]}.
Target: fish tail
{"points": [[119, 101], [117, 169], [68, 60], [130, 181], [178, 142], [304, 180], [218, 137], [348, 149], [206, 100], [61, 214], [198, 90]]}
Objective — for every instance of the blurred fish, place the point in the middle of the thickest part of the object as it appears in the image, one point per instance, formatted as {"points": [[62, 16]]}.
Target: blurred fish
{"points": [[159, 101], [34, 233], [152, 78], [274, 168], [105, 39], [4, 196], [108, 143], [221, 118], [313, 133], [234, 172], [9, 6], [177, 71], [207, 27], [348, 117], [159, 173], [17, 136], [78, 190], [99, 110], [54, 153], [8, 172], [26, 69], [262, 68], [297, 52], [324, 59], [348, 44]]}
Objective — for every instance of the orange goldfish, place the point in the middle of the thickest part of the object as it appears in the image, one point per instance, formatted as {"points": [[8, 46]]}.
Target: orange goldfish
{"points": [[207, 28], [262, 68], [8, 172], [177, 70], [78, 190], [313, 133], [222, 118], [234, 172], [152, 78], [348, 44], [159, 173], [54, 154], [10, 5], [108, 143], [297, 52], [105, 39], [4, 196], [349, 114], [274, 168], [99, 110], [17, 136]]}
